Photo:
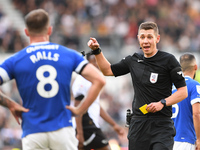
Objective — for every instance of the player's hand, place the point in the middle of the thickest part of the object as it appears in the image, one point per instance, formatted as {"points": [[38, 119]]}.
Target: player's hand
{"points": [[154, 107], [80, 146], [197, 144], [17, 110], [119, 130], [81, 139], [93, 44], [74, 110]]}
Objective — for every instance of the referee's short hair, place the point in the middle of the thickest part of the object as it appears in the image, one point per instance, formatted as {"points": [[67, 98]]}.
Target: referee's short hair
{"points": [[148, 26]]}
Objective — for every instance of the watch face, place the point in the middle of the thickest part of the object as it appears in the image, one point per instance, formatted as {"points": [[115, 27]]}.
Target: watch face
{"points": [[163, 101]]}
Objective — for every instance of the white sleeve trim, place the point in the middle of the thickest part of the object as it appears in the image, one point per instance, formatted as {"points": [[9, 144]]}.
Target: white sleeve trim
{"points": [[4, 75], [78, 69], [196, 100]]}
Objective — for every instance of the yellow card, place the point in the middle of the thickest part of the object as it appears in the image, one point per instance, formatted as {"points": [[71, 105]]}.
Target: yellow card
{"points": [[143, 109]]}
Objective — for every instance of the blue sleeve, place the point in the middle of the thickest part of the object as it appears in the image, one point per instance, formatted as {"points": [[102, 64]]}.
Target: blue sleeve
{"points": [[195, 93], [80, 62], [7, 69]]}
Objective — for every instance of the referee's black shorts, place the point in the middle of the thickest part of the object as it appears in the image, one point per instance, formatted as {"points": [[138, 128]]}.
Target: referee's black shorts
{"points": [[151, 133]]}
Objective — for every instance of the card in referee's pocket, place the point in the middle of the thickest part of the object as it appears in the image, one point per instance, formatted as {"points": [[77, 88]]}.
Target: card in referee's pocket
{"points": [[143, 109]]}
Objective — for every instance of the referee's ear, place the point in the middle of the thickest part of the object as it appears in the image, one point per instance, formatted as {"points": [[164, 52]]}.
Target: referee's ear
{"points": [[158, 38]]}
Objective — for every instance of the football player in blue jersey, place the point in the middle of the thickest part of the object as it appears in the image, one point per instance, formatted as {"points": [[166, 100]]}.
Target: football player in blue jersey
{"points": [[186, 114], [43, 75]]}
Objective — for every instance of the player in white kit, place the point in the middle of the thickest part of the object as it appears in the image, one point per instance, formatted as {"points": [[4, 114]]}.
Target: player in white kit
{"points": [[88, 129]]}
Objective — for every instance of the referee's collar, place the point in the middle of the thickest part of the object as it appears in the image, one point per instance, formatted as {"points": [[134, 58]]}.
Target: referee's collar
{"points": [[151, 56]]}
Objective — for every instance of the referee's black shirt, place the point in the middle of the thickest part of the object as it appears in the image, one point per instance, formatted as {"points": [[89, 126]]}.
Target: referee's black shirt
{"points": [[152, 79]]}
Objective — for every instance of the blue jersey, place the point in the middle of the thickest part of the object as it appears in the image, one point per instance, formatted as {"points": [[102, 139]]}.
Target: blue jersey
{"points": [[43, 75], [182, 113]]}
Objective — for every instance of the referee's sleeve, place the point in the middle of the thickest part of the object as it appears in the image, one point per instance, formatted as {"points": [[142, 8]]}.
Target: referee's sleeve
{"points": [[176, 73], [120, 68], [178, 77]]}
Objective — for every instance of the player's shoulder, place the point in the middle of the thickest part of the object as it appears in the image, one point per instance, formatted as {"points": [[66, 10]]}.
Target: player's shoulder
{"points": [[66, 49], [18, 55], [69, 52], [191, 82], [194, 82]]}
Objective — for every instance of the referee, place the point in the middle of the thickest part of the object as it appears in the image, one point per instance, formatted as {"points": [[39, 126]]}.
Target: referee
{"points": [[153, 72]]}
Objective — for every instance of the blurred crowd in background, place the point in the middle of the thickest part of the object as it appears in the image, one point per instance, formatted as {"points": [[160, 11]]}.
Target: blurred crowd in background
{"points": [[115, 24]]}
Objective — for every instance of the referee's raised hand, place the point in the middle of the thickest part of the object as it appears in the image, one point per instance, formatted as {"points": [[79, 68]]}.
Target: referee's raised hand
{"points": [[93, 44]]}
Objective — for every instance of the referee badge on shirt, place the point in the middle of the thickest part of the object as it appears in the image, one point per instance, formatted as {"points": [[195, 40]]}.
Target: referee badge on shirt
{"points": [[153, 77]]}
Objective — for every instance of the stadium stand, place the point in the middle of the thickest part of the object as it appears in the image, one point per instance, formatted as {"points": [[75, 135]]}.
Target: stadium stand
{"points": [[114, 23]]}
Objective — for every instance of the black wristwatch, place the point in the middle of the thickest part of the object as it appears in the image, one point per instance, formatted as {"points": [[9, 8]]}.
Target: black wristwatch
{"points": [[96, 51], [163, 101]]}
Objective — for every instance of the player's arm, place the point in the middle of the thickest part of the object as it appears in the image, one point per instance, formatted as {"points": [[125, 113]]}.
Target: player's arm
{"points": [[109, 120], [14, 107], [79, 127], [93, 75], [102, 62], [196, 120]]}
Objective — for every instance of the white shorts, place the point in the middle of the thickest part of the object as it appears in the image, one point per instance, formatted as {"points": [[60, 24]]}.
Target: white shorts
{"points": [[183, 146], [62, 139]]}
